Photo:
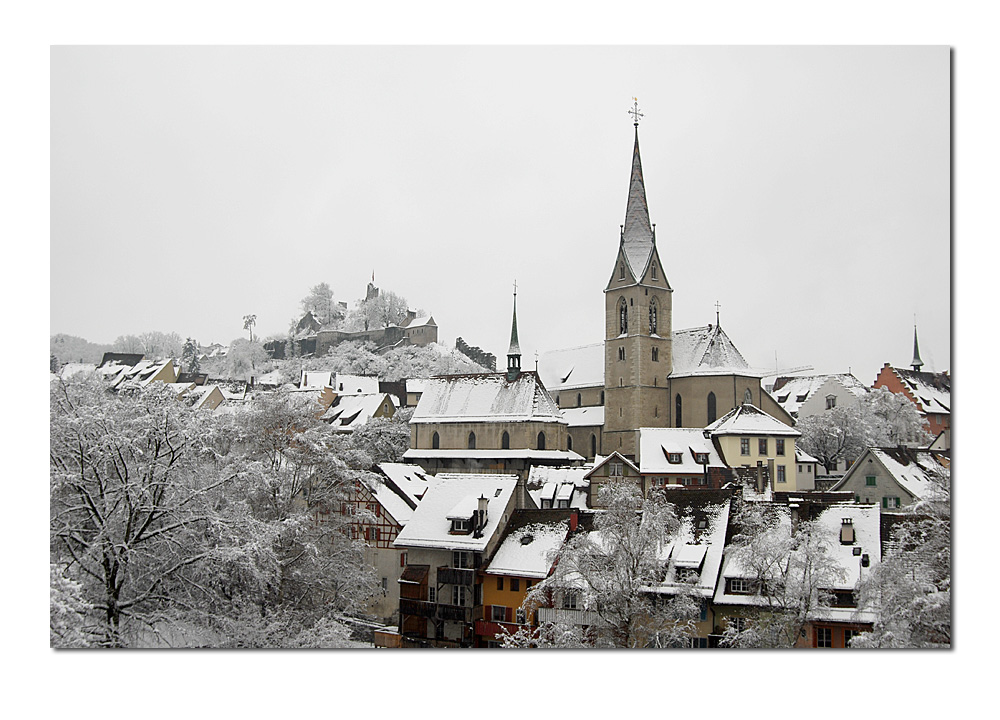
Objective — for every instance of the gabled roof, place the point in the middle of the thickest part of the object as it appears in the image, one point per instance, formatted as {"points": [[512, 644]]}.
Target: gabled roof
{"points": [[410, 480], [573, 368], [488, 397], [791, 392], [747, 419], [707, 351], [421, 321], [429, 526], [932, 391], [352, 411], [656, 443], [600, 462], [913, 468]]}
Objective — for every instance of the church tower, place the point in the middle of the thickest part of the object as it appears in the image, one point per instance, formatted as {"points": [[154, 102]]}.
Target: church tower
{"points": [[637, 340]]}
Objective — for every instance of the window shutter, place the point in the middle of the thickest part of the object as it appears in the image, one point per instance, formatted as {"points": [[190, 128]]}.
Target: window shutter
{"points": [[509, 615]]}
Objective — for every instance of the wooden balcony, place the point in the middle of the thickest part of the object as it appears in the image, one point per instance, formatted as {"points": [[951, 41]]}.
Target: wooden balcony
{"points": [[420, 608], [456, 576], [455, 613]]}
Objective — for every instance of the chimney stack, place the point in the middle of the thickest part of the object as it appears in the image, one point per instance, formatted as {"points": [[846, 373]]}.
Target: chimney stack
{"points": [[574, 519]]}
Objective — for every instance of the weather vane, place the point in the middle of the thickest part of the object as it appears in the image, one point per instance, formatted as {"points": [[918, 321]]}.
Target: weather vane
{"points": [[634, 112], [515, 288]]}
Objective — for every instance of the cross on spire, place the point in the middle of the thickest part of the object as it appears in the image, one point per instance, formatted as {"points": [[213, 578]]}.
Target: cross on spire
{"points": [[717, 306], [634, 112]]}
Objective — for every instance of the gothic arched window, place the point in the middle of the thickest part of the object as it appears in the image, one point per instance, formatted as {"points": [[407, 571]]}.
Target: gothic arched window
{"points": [[711, 407], [602, 397], [677, 411], [472, 441], [505, 441], [623, 317], [621, 271], [569, 443], [541, 441], [579, 400], [652, 316], [436, 441], [593, 445]]}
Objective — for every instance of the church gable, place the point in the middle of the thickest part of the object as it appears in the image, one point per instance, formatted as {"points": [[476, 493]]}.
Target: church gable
{"points": [[622, 276], [653, 272]]}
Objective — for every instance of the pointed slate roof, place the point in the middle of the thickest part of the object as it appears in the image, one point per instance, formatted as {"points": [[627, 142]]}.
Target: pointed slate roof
{"points": [[637, 237], [916, 363], [515, 348]]}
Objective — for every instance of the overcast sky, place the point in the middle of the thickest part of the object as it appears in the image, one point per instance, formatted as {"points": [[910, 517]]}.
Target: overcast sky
{"points": [[805, 189]]}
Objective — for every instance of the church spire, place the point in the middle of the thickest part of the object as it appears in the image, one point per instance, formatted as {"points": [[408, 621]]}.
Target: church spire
{"points": [[637, 233], [916, 363], [514, 352]]}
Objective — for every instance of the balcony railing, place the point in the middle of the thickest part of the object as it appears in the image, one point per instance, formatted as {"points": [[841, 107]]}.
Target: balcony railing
{"points": [[420, 608], [568, 617], [456, 576], [455, 613]]}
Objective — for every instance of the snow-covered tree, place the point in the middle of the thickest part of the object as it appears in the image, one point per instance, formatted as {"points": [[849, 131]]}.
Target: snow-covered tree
{"points": [[189, 356], [128, 344], [791, 570], [68, 611], [881, 419], [384, 439], [612, 570], [910, 590], [320, 302], [245, 358], [378, 311], [130, 515], [248, 322]]}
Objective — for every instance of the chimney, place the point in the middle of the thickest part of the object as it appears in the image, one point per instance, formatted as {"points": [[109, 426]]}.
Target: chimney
{"points": [[483, 502], [574, 519]]}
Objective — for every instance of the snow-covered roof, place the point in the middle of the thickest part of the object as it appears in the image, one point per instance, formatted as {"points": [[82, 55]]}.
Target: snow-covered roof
{"points": [[655, 444], [352, 411], [559, 483], [792, 392], [70, 369], [572, 368], [429, 526], [411, 480], [865, 519], [584, 416], [707, 351], [637, 234], [600, 462], [514, 454], [528, 551], [392, 499], [415, 385], [803, 457], [486, 398], [204, 394], [914, 469], [748, 419], [700, 541], [272, 378], [931, 390], [421, 321]]}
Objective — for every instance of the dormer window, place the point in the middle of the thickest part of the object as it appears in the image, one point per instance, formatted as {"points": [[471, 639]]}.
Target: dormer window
{"points": [[701, 458], [674, 458], [461, 526]]}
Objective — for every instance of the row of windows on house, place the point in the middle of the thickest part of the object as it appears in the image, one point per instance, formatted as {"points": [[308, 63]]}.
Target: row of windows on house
{"points": [[762, 446], [779, 473]]}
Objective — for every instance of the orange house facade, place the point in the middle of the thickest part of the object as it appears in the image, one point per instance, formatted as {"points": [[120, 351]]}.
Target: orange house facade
{"points": [[930, 392]]}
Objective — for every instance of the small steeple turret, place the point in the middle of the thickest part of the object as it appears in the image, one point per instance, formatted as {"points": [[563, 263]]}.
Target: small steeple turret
{"points": [[514, 351], [916, 363]]}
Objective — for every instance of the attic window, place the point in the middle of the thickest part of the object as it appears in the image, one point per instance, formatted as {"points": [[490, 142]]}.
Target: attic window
{"points": [[831, 402], [702, 524], [497, 493], [701, 458], [800, 398], [674, 458], [783, 398], [462, 526]]}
